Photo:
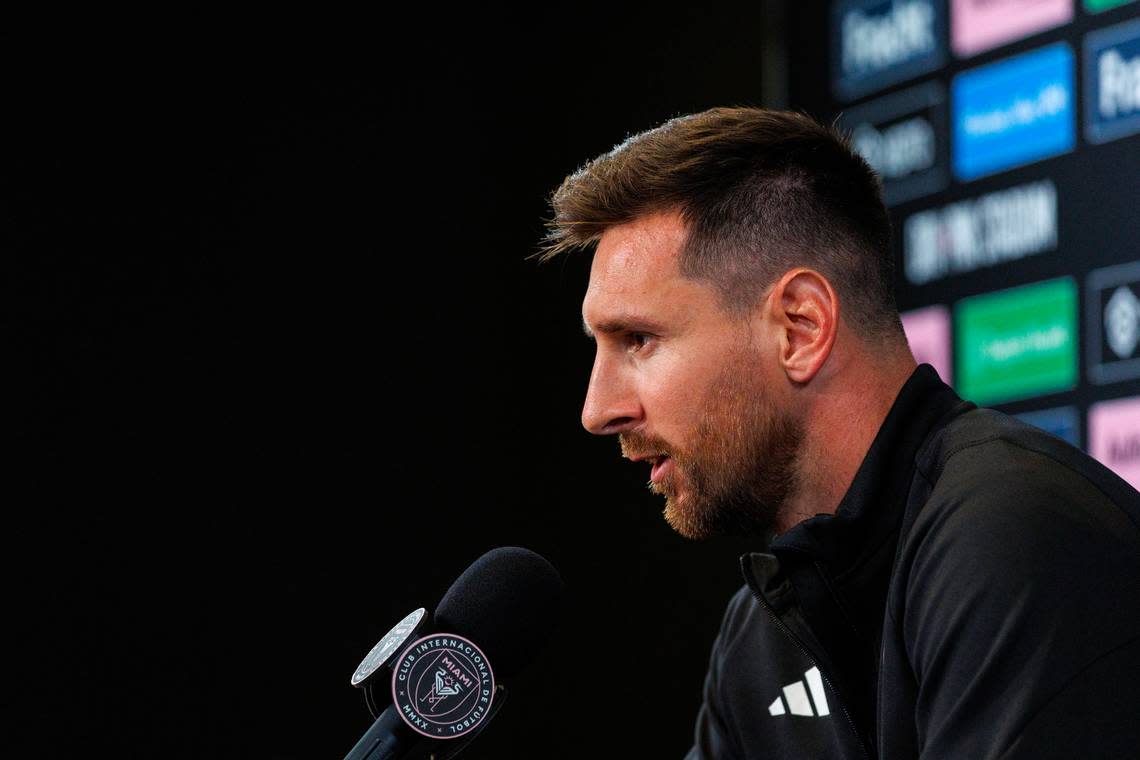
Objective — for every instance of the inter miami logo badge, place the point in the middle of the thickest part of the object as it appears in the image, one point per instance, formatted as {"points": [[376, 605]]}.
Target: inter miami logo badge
{"points": [[443, 686]]}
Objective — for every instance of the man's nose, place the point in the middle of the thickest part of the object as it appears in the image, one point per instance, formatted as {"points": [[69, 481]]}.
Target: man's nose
{"points": [[611, 404]]}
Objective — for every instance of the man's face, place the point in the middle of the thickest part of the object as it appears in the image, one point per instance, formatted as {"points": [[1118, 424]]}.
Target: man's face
{"points": [[686, 385]]}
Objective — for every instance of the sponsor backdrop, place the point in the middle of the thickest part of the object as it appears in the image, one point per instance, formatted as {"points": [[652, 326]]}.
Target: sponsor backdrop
{"points": [[1007, 135]]}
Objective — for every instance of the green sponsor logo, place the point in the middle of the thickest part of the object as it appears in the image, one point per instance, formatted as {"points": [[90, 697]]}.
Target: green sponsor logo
{"points": [[1017, 343], [1096, 6]]}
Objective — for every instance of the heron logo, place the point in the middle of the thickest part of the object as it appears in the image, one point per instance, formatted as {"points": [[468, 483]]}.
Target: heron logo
{"points": [[443, 686]]}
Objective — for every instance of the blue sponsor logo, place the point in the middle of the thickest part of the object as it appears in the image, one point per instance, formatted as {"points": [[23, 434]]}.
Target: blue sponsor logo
{"points": [[1065, 423], [877, 43], [1112, 82], [1013, 112]]}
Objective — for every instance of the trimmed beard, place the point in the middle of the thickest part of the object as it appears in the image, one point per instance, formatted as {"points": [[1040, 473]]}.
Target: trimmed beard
{"points": [[740, 468]]}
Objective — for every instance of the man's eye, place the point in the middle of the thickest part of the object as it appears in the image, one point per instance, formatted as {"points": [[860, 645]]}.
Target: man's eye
{"points": [[637, 341]]}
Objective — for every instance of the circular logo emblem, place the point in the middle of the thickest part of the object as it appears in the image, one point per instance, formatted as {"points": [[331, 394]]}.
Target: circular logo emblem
{"points": [[442, 685], [1122, 322], [387, 646]]}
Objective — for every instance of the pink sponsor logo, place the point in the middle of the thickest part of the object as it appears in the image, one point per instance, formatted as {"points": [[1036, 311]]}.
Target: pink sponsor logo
{"points": [[928, 332], [977, 25], [1114, 437]]}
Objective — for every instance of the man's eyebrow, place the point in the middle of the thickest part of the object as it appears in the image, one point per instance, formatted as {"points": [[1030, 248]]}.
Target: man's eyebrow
{"points": [[623, 323]]}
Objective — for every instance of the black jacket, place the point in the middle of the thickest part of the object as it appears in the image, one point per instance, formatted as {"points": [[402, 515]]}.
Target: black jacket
{"points": [[975, 595]]}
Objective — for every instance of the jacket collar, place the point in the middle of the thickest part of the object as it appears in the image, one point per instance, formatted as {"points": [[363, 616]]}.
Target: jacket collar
{"points": [[827, 577]]}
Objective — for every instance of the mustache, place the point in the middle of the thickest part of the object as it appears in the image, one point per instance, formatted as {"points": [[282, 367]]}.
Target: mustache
{"points": [[634, 445]]}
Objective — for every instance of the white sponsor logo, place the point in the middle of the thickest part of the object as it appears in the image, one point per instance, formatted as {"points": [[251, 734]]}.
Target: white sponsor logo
{"points": [[874, 42], [1112, 313], [1004, 349], [1119, 81], [971, 234], [898, 150], [1050, 100], [1122, 322]]}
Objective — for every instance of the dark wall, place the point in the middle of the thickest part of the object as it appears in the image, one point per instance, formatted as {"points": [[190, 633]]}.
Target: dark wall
{"points": [[281, 370]]}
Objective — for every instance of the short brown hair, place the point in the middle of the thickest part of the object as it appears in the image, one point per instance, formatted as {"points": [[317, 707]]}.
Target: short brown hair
{"points": [[760, 192]]}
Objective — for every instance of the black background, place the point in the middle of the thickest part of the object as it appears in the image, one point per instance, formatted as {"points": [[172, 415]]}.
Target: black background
{"points": [[280, 370]]}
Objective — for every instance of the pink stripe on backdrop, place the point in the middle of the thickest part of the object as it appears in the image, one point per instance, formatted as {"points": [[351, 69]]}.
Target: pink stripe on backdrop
{"points": [[1114, 437], [928, 332], [977, 25]]}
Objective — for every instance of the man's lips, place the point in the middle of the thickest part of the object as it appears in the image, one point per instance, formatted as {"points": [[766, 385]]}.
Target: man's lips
{"points": [[661, 465]]}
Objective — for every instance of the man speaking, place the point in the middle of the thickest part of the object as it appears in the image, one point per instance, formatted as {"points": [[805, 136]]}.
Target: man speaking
{"points": [[940, 581]]}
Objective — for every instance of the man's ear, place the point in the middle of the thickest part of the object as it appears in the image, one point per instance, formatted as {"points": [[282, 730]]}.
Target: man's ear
{"points": [[805, 310]]}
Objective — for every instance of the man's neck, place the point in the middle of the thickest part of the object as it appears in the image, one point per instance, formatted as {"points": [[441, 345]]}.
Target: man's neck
{"points": [[841, 422]]}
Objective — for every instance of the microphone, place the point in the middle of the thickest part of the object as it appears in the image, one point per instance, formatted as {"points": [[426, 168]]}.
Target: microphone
{"points": [[491, 623]]}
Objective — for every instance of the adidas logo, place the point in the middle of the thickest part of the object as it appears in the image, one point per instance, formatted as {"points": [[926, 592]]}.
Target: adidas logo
{"points": [[795, 697]]}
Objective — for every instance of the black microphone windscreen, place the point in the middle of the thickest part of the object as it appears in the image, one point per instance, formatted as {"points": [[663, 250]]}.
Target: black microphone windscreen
{"points": [[507, 603]]}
